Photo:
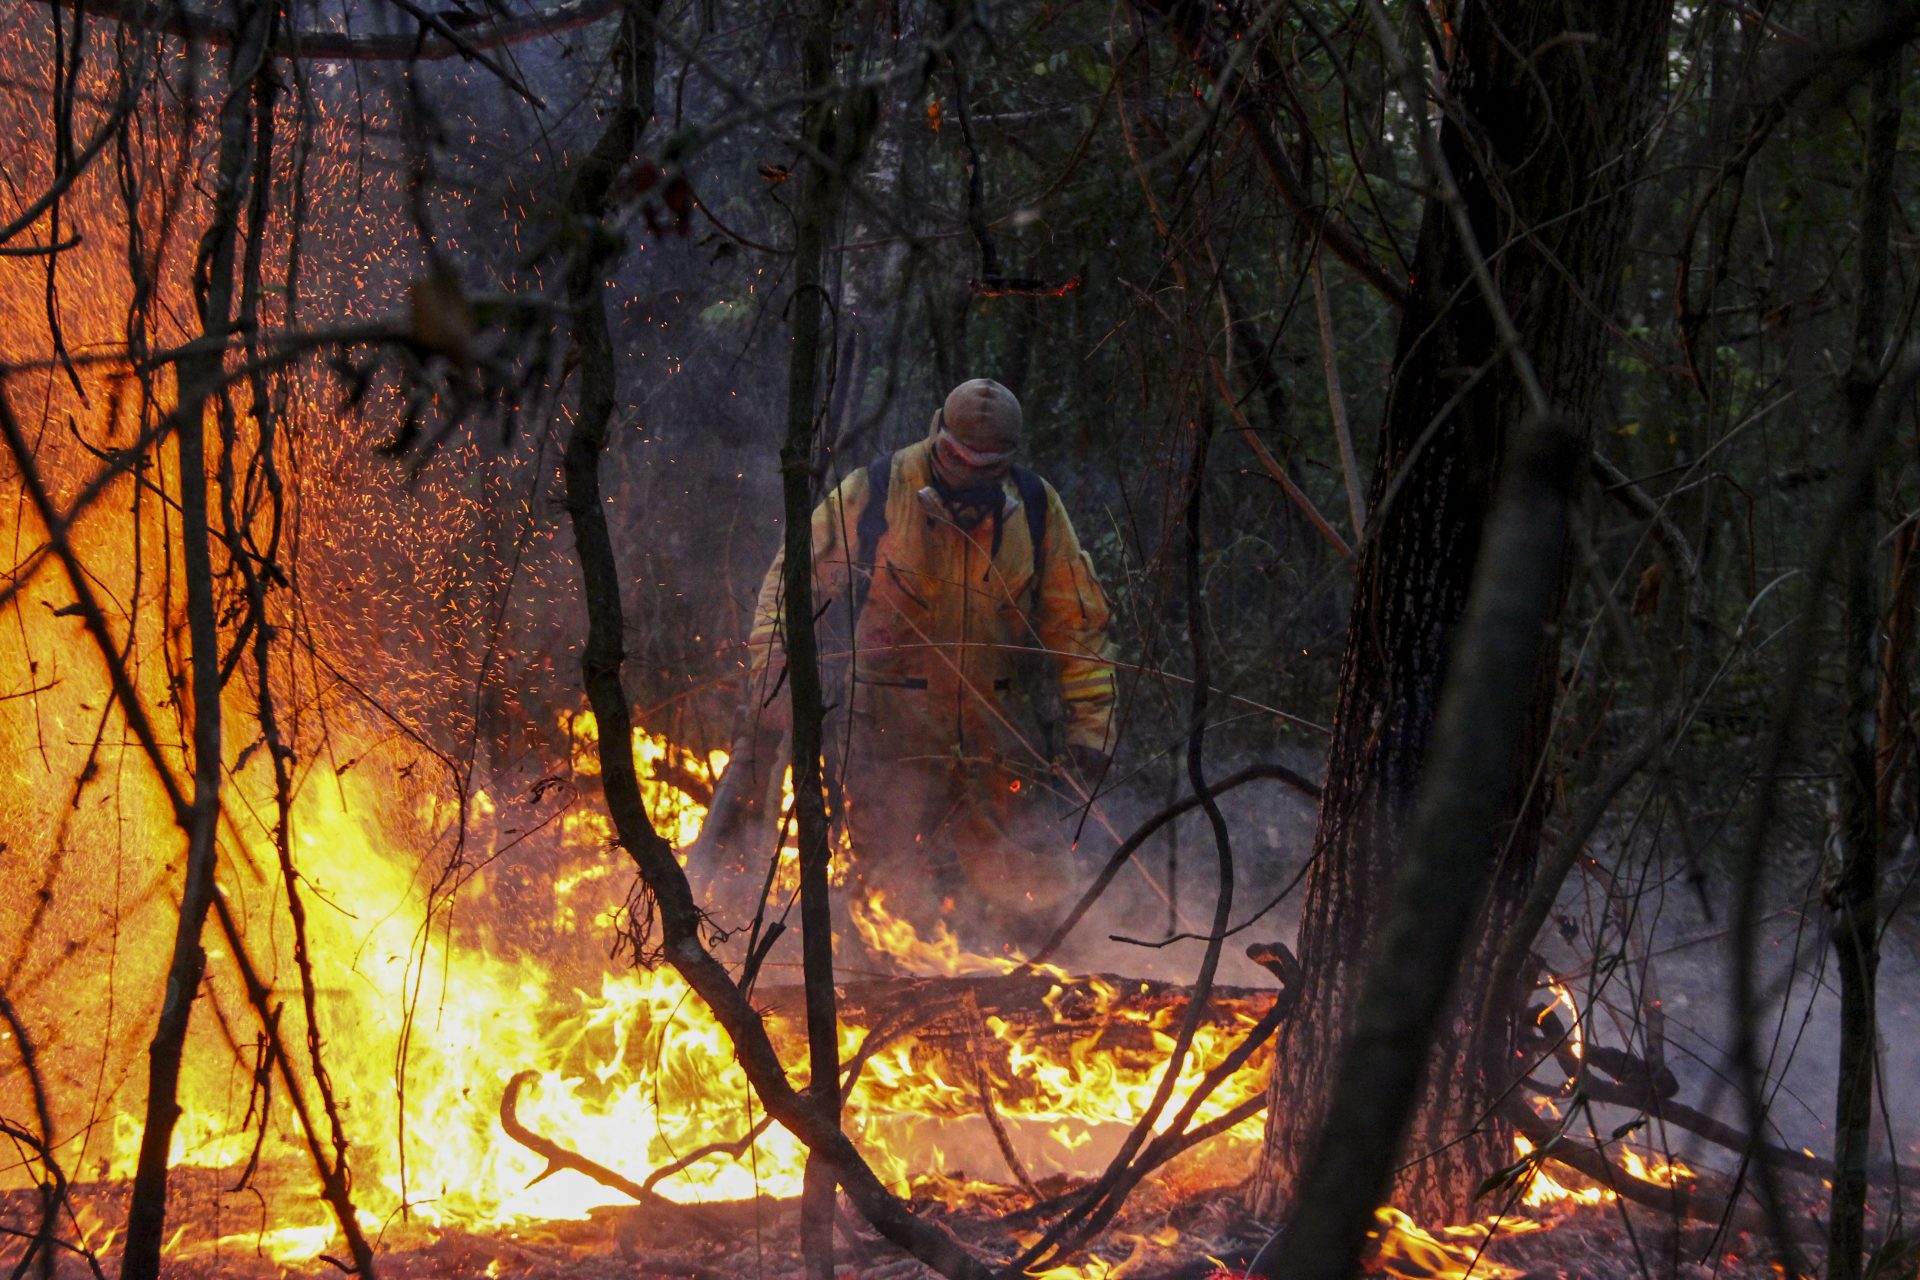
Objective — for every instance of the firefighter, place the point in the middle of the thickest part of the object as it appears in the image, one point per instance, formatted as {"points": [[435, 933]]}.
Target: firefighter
{"points": [[969, 677]]}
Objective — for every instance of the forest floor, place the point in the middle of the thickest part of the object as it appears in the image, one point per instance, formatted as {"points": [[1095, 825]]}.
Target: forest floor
{"points": [[1166, 1233]]}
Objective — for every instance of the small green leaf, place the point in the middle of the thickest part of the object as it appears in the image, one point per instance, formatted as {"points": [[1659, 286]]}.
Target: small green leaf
{"points": [[1507, 1176]]}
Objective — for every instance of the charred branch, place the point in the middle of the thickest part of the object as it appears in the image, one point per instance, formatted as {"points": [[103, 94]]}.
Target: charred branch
{"points": [[601, 661], [983, 1084], [1714, 1200], [828, 131], [560, 1158]]}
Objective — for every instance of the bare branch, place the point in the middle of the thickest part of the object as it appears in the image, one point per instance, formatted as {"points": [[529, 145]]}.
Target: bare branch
{"points": [[435, 38]]}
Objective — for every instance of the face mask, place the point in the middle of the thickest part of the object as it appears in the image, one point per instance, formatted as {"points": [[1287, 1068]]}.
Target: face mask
{"points": [[968, 507]]}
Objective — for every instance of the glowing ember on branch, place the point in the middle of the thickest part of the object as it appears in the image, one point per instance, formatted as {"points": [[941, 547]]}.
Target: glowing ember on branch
{"points": [[1022, 287]]}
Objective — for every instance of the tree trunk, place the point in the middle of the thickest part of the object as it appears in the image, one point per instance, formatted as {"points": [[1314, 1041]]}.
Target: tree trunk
{"points": [[1852, 895], [199, 380], [820, 183], [1543, 112]]}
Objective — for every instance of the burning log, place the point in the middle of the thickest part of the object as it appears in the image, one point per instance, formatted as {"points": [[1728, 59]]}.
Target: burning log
{"points": [[1702, 1198], [1628, 1080], [979, 1030], [1047, 1001], [1126, 1020]]}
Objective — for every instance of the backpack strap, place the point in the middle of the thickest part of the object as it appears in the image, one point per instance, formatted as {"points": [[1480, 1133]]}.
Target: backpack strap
{"points": [[866, 533], [873, 523], [1033, 496]]}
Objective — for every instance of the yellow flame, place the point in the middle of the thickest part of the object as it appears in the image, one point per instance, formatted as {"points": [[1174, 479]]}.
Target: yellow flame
{"points": [[674, 813], [1409, 1251], [442, 968], [1666, 1173], [632, 1071], [1576, 1033], [444, 965], [940, 955], [1543, 1189]]}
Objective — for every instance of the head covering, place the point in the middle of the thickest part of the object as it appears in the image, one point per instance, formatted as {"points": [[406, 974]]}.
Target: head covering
{"points": [[976, 433]]}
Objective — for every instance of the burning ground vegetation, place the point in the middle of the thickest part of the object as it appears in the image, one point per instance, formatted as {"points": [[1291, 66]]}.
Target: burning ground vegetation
{"points": [[407, 977], [518, 1106]]}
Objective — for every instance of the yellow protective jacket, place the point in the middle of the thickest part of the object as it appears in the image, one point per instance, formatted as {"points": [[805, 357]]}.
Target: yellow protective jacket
{"points": [[947, 625]]}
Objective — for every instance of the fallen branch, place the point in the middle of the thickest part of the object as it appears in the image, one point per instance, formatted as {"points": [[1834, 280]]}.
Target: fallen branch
{"points": [[560, 1158], [983, 1083], [1702, 1200], [1637, 1086], [1120, 1019], [1647, 1085], [1104, 1198]]}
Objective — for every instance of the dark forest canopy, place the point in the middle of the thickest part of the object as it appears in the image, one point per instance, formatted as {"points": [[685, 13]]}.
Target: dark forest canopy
{"points": [[1493, 423]]}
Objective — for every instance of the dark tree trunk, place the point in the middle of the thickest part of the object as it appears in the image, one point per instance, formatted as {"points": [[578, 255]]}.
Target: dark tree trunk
{"points": [[1544, 106], [820, 183], [1852, 896], [200, 379]]}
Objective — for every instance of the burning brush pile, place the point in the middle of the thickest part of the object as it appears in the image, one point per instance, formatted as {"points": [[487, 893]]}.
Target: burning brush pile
{"points": [[518, 1107], [498, 1082]]}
